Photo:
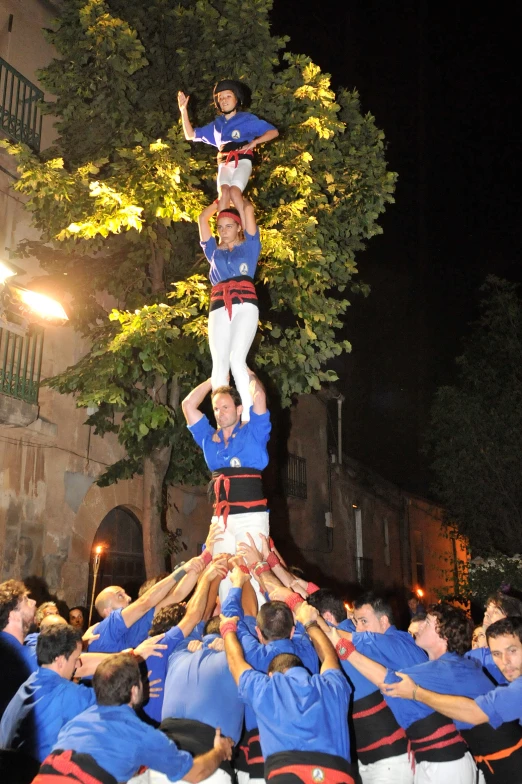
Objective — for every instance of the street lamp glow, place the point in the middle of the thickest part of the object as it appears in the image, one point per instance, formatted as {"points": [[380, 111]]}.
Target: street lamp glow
{"points": [[41, 305]]}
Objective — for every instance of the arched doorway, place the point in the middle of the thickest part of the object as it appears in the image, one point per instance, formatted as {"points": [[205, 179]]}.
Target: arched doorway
{"points": [[122, 561]]}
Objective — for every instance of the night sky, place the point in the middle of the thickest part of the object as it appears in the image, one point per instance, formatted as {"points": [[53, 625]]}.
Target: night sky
{"points": [[442, 81]]}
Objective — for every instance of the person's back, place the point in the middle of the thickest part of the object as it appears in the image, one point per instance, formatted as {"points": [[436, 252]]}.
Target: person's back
{"points": [[199, 687]]}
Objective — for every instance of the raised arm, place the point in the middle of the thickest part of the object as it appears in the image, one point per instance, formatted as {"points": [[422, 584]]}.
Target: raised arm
{"points": [[257, 391], [194, 399], [309, 617], [205, 232], [458, 708], [345, 649], [250, 217], [235, 658], [198, 602], [188, 130], [149, 599]]}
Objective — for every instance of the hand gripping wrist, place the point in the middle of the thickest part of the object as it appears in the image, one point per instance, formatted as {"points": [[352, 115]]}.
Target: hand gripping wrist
{"points": [[228, 626], [206, 557], [273, 560], [293, 600], [244, 568], [312, 588], [260, 567], [344, 648]]}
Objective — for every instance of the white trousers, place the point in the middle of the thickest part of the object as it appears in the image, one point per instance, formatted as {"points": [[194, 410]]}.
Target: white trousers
{"points": [[230, 341], [154, 777], [238, 526], [230, 174], [461, 771], [244, 778], [393, 770]]}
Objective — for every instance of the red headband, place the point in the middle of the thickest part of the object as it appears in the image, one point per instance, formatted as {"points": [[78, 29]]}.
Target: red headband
{"points": [[227, 214]]}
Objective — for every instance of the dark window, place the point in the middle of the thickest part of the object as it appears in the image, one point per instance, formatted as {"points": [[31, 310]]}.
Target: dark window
{"points": [[364, 569], [294, 479], [122, 560]]}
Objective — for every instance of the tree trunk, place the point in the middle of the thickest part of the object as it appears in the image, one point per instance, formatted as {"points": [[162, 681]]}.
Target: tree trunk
{"points": [[155, 465], [154, 469]]}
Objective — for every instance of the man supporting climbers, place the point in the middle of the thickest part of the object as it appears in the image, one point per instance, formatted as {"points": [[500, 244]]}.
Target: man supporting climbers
{"points": [[236, 453], [299, 715], [495, 715]]}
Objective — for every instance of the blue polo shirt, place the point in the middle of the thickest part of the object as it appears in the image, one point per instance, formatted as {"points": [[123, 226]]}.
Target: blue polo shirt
{"points": [[503, 703], [393, 649], [16, 660], [297, 711], [121, 743], [484, 657], [347, 626], [157, 666], [449, 674], [115, 636], [199, 686], [226, 264], [246, 447], [39, 710], [241, 127], [258, 655]]}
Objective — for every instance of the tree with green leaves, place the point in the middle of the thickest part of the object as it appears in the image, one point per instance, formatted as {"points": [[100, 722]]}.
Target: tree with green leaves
{"points": [[475, 435], [116, 197]]}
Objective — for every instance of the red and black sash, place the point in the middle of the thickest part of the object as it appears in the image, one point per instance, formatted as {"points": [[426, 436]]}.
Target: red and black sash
{"points": [[308, 767], [234, 291], [435, 739], [377, 733], [250, 757], [498, 753], [236, 491], [230, 152], [193, 736], [62, 766]]}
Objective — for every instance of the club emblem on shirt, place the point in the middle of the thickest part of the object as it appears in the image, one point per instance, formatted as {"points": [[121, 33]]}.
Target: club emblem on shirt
{"points": [[235, 462], [318, 774], [236, 134], [243, 268]]}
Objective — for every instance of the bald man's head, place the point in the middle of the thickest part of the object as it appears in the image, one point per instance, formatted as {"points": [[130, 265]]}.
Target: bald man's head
{"points": [[111, 598]]}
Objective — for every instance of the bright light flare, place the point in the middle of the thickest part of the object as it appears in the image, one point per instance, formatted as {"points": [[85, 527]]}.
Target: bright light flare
{"points": [[419, 592], [41, 305], [98, 549], [5, 272]]}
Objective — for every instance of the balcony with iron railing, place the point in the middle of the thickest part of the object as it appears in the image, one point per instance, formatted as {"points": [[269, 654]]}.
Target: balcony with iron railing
{"points": [[21, 363], [20, 107]]}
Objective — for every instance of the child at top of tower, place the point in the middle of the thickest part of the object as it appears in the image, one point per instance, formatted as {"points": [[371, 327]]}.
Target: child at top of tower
{"points": [[235, 133]]}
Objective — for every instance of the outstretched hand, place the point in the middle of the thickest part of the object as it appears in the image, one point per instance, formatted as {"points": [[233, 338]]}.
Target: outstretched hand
{"points": [[151, 647], [249, 551], [183, 100]]}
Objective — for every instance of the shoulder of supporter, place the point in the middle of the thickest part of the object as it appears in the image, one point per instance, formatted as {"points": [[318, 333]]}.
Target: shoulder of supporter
{"points": [[252, 686], [202, 428]]}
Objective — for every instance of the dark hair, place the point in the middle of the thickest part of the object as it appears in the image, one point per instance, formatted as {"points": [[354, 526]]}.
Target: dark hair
{"points": [[326, 601], [454, 626], [227, 390], [58, 639], [114, 679], [283, 662], [379, 605], [212, 626], [511, 625], [275, 621], [11, 593], [509, 605], [420, 616], [167, 618]]}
